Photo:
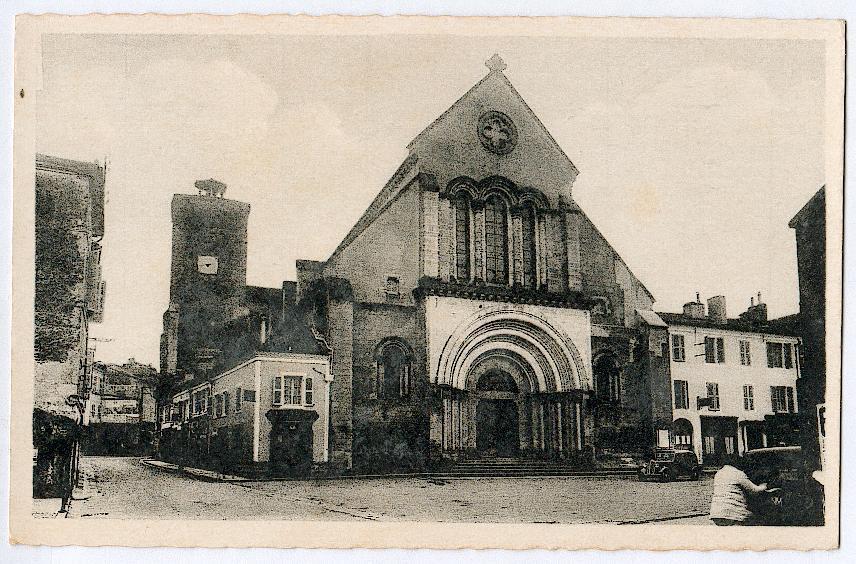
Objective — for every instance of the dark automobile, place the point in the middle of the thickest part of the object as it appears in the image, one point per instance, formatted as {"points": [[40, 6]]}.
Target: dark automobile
{"points": [[670, 464], [794, 497]]}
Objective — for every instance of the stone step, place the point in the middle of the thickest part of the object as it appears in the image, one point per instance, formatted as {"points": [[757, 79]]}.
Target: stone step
{"points": [[526, 473]]}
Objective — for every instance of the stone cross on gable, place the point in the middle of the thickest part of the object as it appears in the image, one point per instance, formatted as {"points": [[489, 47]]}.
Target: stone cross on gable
{"points": [[495, 63]]}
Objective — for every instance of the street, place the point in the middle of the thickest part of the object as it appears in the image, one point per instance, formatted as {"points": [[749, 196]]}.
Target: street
{"points": [[124, 488]]}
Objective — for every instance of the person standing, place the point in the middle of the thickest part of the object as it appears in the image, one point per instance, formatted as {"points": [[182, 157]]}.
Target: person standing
{"points": [[729, 504]]}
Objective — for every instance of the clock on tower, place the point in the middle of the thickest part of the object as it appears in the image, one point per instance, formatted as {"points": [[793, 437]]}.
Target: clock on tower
{"points": [[206, 265]]}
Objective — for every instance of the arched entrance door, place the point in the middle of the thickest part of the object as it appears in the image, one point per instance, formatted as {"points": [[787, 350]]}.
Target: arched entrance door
{"points": [[496, 414], [682, 430]]}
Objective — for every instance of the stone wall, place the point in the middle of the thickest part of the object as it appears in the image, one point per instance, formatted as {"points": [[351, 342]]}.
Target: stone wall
{"points": [[388, 432], [206, 226]]}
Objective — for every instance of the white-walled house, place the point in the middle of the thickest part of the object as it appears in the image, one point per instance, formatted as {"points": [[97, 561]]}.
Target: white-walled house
{"points": [[272, 409], [734, 381]]}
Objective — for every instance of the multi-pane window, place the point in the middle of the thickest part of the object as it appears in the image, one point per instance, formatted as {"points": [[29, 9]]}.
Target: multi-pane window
{"points": [[462, 238], [713, 395], [709, 445], [286, 390], [745, 353], [714, 349], [239, 397], [748, 397], [200, 402], [679, 353], [496, 241], [308, 391], [782, 399], [682, 396], [226, 405], [780, 355], [530, 224], [730, 443], [393, 371]]}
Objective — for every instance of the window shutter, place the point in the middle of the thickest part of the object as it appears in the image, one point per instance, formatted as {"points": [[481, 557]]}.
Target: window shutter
{"points": [[790, 392], [277, 390], [308, 393], [789, 363], [720, 350], [708, 350]]}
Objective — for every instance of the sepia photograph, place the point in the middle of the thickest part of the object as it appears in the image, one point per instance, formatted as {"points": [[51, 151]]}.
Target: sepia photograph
{"points": [[566, 274]]}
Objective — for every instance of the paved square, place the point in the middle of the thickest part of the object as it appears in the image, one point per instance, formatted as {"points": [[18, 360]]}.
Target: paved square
{"points": [[124, 488]]}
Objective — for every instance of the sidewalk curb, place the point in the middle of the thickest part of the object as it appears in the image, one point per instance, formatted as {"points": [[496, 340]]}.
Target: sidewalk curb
{"points": [[196, 473]]}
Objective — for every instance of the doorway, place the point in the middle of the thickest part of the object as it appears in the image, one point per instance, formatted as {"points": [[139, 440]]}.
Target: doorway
{"points": [[291, 442], [719, 437], [496, 427], [497, 424]]}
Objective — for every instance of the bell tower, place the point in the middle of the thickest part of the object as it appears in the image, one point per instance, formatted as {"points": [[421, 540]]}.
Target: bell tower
{"points": [[208, 275]]}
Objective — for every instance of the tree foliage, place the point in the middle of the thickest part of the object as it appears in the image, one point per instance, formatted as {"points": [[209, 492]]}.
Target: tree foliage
{"points": [[59, 271]]}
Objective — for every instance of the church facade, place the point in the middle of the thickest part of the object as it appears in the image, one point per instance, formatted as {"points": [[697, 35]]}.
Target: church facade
{"points": [[473, 310]]}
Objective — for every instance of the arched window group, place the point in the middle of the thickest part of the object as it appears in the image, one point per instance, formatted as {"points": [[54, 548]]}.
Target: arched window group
{"points": [[498, 258], [392, 377]]}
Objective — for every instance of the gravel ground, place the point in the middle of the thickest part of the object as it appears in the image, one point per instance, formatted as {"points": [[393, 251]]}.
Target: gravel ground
{"points": [[123, 488]]}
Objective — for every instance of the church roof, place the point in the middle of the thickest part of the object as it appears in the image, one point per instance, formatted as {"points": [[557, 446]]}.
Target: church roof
{"points": [[496, 66]]}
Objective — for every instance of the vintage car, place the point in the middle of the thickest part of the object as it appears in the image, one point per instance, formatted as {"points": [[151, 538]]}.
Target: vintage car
{"points": [[795, 497], [670, 464]]}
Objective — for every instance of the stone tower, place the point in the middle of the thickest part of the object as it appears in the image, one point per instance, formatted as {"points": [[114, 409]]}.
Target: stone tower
{"points": [[208, 275]]}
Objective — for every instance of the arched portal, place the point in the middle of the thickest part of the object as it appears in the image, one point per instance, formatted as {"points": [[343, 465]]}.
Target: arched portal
{"points": [[510, 384]]}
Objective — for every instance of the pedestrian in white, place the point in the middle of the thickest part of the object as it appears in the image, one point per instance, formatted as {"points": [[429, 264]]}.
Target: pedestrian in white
{"points": [[729, 504]]}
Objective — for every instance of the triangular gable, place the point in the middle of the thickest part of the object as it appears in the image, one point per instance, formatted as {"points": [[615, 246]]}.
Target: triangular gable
{"points": [[450, 146], [514, 91]]}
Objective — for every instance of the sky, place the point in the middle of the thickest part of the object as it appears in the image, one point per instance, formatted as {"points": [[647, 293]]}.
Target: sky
{"points": [[693, 153]]}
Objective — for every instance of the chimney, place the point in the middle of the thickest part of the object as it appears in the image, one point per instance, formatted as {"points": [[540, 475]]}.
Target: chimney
{"points": [[307, 272], [694, 310], [716, 310], [210, 187], [757, 312]]}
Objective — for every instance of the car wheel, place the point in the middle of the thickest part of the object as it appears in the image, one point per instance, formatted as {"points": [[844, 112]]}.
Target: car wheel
{"points": [[696, 475], [666, 476]]}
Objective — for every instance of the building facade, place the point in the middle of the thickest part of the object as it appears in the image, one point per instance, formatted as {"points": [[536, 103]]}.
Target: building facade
{"points": [[69, 294], [474, 309], [809, 226], [268, 413], [120, 415], [734, 381]]}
